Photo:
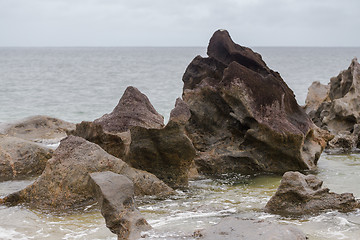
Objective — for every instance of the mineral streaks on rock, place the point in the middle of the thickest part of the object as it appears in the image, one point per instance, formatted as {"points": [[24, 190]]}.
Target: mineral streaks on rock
{"points": [[115, 195], [64, 184], [244, 118], [299, 194]]}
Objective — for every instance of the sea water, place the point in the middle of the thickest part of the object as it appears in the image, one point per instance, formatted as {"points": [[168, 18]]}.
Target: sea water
{"points": [[76, 84]]}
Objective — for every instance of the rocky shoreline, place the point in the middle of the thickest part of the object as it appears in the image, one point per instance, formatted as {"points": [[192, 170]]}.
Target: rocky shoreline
{"points": [[236, 115]]}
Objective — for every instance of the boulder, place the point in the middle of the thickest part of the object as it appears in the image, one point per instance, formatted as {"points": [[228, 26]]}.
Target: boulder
{"points": [[41, 129], [64, 184], [166, 152], [115, 195], [247, 229], [111, 130], [338, 109], [21, 159], [244, 118], [299, 194]]}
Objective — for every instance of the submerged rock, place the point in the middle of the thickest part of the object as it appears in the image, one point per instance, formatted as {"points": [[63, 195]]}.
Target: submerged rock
{"points": [[336, 107], [21, 159], [64, 184], [41, 129], [299, 194], [236, 228], [166, 152], [244, 118], [115, 194]]}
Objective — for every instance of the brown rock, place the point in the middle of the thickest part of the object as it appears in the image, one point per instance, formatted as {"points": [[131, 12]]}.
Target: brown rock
{"points": [[299, 194], [115, 194], [167, 152], [42, 129], [244, 118], [21, 159], [64, 184], [133, 109]]}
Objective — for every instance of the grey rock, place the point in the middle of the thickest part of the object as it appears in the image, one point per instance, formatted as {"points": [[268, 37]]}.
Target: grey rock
{"points": [[115, 194]]}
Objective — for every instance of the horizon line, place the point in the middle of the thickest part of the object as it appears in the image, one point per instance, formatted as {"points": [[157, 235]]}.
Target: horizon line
{"points": [[103, 46]]}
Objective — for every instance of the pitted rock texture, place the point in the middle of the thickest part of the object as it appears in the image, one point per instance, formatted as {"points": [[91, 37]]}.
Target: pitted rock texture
{"points": [[299, 194], [244, 118]]}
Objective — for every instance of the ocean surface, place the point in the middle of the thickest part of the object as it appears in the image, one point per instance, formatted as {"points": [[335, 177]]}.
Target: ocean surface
{"points": [[77, 84]]}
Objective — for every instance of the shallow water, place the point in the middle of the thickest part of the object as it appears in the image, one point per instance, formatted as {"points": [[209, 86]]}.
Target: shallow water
{"points": [[203, 204]]}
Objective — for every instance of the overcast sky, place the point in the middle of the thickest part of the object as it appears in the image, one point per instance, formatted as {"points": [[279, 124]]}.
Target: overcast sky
{"points": [[178, 22]]}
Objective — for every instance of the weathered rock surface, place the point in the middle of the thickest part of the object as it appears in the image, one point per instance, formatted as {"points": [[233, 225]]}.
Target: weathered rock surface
{"points": [[20, 158], [42, 129], [335, 107], [166, 152], [115, 194], [64, 184], [242, 229], [299, 194], [244, 118], [111, 130]]}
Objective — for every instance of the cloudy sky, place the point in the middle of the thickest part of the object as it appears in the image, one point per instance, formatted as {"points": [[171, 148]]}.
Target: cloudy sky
{"points": [[178, 22]]}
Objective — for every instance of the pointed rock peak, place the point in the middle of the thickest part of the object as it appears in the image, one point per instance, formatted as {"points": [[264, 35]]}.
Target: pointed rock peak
{"points": [[133, 109], [222, 48], [181, 112]]}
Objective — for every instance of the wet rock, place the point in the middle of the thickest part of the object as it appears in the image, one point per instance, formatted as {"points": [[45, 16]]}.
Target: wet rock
{"points": [[338, 109], [115, 194], [246, 229], [41, 129], [244, 118], [111, 130], [166, 152], [299, 194], [21, 159], [64, 184]]}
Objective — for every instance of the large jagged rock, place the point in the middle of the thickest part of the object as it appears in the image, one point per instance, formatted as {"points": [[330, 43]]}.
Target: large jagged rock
{"points": [[115, 194], [166, 152], [21, 159], [299, 194], [111, 130], [41, 129], [64, 184], [244, 118], [231, 228], [336, 107]]}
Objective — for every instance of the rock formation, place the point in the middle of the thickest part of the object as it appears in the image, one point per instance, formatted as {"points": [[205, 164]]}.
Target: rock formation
{"points": [[110, 131], [299, 194], [244, 118], [20, 158], [166, 152], [335, 107], [64, 184], [236, 228], [41, 129], [134, 132], [115, 194]]}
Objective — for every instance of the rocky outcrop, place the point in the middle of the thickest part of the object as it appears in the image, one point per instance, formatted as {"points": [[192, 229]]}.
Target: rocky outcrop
{"points": [[299, 194], [111, 130], [115, 194], [236, 228], [41, 129], [134, 132], [244, 118], [166, 152], [64, 184], [335, 107], [21, 159]]}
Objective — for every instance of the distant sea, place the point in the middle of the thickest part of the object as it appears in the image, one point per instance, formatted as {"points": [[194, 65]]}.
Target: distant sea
{"points": [[77, 84]]}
